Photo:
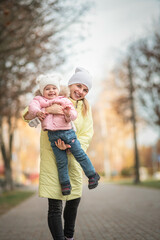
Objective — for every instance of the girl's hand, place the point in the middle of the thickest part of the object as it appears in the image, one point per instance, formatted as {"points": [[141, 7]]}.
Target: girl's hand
{"points": [[66, 111], [41, 115], [54, 109], [61, 145]]}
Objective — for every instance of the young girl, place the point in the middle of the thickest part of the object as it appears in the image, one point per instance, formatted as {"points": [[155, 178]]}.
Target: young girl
{"points": [[59, 127]]}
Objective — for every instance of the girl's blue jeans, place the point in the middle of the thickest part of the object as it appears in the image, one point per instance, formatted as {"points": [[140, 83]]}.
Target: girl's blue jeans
{"points": [[69, 137]]}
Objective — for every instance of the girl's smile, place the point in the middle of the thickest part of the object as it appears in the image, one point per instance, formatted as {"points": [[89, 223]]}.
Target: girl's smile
{"points": [[50, 92]]}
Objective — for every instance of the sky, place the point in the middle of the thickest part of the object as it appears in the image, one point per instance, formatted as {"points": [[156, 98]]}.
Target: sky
{"points": [[113, 25]]}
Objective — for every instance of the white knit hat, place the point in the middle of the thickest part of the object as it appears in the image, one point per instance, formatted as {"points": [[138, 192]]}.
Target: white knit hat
{"points": [[81, 76], [49, 79]]}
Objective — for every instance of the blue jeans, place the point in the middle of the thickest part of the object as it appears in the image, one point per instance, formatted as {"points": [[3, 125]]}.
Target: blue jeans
{"points": [[69, 137]]}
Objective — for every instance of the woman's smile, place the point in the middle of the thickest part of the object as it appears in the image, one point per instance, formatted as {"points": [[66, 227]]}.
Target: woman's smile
{"points": [[78, 91], [78, 95]]}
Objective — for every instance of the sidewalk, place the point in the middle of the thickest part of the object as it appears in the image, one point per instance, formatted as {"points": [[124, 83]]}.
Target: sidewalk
{"points": [[109, 212]]}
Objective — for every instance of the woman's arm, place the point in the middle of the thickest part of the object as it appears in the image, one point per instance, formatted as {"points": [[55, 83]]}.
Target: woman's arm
{"points": [[26, 116], [54, 109]]}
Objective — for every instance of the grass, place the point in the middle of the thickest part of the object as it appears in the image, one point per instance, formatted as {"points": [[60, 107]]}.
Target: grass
{"points": [[10, 199], [151, 183], [147, 183]]}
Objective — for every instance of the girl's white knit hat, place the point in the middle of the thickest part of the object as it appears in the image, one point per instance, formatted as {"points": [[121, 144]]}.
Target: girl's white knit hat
{"points": [[49, 79], [82, 76]]}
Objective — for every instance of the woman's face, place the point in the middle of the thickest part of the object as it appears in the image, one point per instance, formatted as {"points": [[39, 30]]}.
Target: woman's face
{"points": [[50, 91], [78, 91]]}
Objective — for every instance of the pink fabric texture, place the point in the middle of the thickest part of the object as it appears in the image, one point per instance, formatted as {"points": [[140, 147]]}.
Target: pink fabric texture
{"points": [[53, 122]]}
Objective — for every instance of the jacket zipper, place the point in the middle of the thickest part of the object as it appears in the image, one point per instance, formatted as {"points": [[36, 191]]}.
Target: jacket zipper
{"points": [[76, 104]]}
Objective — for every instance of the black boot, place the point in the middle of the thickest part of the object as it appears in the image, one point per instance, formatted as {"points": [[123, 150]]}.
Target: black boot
{"points": [[93, 181]]}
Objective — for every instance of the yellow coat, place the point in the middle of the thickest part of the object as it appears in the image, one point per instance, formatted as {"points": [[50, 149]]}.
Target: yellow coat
{"points": [[49, 185]]}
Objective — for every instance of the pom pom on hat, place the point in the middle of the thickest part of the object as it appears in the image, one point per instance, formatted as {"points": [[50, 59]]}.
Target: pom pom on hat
{"points": [[81, 76], [49, 79]]}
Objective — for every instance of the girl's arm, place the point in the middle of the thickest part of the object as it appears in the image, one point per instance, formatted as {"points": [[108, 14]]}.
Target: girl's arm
{"points": [[54, 109], [69, 111], [26, 116], [34, 107]]}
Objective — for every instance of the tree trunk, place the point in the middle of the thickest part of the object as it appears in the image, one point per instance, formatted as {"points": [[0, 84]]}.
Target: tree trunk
{"points": [[6, 156], [136, 154], [8, 179], [8, 170]]}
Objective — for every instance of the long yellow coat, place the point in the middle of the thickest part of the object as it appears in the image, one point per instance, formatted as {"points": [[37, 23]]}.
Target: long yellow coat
{"points": [[49, 186]]}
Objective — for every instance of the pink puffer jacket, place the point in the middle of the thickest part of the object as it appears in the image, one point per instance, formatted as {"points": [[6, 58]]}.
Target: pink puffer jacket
{"points": [[57, 121]]}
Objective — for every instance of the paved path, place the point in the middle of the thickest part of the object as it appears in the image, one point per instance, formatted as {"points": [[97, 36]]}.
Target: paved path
{"points": [[109, 212]]}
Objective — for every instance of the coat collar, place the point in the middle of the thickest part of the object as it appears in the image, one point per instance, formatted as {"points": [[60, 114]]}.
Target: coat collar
{"points": [[76, 104]]}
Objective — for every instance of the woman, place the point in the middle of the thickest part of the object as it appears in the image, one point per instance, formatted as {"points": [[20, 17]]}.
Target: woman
{"points": [[49, 187]]}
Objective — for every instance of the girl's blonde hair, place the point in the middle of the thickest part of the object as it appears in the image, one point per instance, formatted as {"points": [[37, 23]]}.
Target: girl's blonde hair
{"points": [[38, 93]]}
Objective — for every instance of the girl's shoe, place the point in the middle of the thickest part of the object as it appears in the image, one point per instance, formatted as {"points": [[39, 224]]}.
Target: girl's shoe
{"points": [[69, 238], [66, 189], [93, 181]]}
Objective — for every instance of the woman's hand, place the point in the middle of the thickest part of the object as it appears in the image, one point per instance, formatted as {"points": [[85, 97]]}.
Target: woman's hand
{"points": [[27, 116], [61, 145], [55, 109]]}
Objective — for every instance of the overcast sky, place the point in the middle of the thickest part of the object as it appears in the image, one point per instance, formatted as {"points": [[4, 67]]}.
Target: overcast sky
{"points": [[113, 24]]}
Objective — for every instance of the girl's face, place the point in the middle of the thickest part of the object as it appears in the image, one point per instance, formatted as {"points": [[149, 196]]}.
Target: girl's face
{"points": [[78, 91], [50, 92]]}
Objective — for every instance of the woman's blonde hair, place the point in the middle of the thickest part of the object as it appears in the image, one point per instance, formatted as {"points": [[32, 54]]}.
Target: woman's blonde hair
{"points": [[85, 107]]}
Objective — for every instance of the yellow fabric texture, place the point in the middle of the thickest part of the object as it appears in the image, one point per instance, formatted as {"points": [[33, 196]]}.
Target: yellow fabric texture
{"points": [[49, 186]]}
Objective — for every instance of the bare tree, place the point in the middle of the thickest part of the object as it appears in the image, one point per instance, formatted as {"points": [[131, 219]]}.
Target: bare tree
{"points": [[125, 103], [139, 76], [32, 38], [146, 56]]}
